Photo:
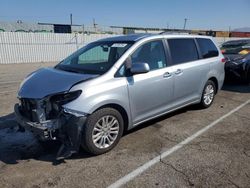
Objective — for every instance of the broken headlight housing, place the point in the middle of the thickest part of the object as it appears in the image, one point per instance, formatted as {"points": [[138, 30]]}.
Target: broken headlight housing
{"points": [[65, 98], [58, 100]]}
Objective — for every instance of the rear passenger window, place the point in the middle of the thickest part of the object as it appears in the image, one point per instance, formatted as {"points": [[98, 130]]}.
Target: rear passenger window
{"points": [[207, 48], [183, 50]]}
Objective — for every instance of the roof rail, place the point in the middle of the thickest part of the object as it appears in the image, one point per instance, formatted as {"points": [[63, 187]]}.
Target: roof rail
{"points": [[174, 33]]}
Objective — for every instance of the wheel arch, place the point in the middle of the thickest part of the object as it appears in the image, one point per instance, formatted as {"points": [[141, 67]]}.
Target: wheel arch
{"points": [[120, 109], [214, 79]]}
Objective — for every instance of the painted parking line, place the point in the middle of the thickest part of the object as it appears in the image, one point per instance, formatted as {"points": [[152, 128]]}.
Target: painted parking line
{"points": [[10, 82], [11, 91], [130, 176]]}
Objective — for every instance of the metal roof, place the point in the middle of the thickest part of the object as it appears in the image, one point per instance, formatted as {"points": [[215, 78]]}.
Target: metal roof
{"points": [[137, 37]]}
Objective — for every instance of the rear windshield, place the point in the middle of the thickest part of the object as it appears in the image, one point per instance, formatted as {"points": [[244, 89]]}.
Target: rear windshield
{"points": [[234, 47], [95, 58]]}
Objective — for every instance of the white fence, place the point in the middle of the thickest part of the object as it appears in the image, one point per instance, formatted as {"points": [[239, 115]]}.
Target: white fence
{"points": [[41, 47], [46, 47]]}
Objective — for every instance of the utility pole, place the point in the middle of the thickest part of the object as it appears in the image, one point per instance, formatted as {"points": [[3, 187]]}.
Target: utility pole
{"points": [[71, 19], [185, 22], [83, 29], [94, 24], [229, 31]]}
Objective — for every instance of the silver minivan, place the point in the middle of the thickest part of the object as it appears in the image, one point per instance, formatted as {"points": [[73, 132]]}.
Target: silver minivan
{"points": [[112, 85]]}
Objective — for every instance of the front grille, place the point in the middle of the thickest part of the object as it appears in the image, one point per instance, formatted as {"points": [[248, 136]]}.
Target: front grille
{"points": [[28, 109], [39, 110]]}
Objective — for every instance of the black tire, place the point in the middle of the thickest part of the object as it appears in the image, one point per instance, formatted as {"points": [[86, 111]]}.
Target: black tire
{"points": [[248, 76], [87, 141], [203, 103]]}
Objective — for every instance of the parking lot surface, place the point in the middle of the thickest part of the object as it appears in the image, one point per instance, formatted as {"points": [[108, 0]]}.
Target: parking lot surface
{"points": [[219, 157]]}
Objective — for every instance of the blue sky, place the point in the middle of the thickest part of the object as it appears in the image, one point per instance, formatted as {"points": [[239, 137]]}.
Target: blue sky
{"points": [[201, 14]]}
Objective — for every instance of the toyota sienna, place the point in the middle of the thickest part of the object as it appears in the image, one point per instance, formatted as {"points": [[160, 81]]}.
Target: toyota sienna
{"points": [[112, 85]]}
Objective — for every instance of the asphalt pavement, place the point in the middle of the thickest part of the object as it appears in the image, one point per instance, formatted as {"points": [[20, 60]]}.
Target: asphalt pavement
{"points": [[218, 157]]}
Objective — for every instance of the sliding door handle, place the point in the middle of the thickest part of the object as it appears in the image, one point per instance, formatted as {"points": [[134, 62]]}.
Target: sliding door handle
{"points": [[167, 75], [178, 71]]}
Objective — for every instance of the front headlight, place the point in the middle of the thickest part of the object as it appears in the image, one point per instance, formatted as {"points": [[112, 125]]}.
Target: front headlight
{"points": [[64, 98]]}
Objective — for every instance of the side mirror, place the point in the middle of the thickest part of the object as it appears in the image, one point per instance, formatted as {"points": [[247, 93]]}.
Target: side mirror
{"points": [[139, 68]]}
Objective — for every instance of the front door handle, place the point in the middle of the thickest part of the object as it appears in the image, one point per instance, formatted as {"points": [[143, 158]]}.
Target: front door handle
{"points": [[167, 75], [178, 71]]}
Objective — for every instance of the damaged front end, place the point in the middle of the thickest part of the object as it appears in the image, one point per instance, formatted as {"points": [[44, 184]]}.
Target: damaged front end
{"points": [[50, 120]]}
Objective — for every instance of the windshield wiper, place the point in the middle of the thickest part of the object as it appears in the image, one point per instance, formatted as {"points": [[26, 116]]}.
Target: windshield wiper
{"points": [[68, 69], [79, 70]]}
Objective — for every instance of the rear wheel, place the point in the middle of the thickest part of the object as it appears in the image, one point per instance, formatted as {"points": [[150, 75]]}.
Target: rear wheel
{"points": [[248, 76], [102, 131], [208, 94]]}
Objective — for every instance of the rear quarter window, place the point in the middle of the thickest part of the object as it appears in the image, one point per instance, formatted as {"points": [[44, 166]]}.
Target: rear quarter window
{"points": [[207, 48], [183, 50]]}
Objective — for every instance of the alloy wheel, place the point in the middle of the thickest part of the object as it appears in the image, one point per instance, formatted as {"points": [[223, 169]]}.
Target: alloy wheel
{"points": [[105, 131], [208, 94]]}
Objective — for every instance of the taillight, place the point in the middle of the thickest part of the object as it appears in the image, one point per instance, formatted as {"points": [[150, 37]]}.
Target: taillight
{"points": [[223, 60]]}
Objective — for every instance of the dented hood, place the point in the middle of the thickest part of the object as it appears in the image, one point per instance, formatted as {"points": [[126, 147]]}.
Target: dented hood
{"points": [[47, 81]]}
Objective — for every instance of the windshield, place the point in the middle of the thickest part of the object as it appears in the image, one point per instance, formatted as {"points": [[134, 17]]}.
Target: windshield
{"points": [[235, 47], [95, 58]]}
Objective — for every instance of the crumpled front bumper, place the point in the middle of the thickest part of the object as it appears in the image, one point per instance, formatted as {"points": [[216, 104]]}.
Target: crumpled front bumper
{"points": [[67, 129], [42, 129]]}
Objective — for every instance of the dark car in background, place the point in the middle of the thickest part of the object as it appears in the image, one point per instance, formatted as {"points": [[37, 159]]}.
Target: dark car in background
{"points": [[237, 54]]}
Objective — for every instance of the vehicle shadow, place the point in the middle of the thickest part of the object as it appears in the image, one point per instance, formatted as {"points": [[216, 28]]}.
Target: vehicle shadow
{"points": [[7, 121], [17, 144]]}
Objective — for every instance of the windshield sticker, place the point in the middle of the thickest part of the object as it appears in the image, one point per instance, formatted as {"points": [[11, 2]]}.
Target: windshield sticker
{"points": [[160, 64], [119, 45]]}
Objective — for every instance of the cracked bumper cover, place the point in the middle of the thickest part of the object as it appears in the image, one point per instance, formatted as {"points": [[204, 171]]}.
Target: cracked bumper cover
{"points": [[67, 129], [41, 128]]}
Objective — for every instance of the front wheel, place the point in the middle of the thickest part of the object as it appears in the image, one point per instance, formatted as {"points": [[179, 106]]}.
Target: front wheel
{"points": [[208, 94], [102, 131]]}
